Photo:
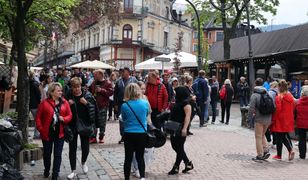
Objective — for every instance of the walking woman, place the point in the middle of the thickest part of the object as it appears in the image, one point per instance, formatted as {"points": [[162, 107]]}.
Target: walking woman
{"points": [[226, 95], [283, 120], [181, 113], [302, 121], [134, 114], [192, 100], [53, 113], [83, 107]]}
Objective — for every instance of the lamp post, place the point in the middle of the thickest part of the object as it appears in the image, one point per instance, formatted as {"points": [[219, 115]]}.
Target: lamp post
{"points": [[199, 58], [251, 68]]}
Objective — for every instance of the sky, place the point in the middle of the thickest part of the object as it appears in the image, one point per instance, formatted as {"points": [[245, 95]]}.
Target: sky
{"points": [[291, 12]]}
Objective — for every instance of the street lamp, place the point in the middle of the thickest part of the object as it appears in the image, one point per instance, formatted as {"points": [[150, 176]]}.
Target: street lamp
{"points": [[251, 68], [199, 58]]}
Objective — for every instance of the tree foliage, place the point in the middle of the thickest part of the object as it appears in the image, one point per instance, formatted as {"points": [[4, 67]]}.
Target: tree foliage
{"points": [[232, 12]]}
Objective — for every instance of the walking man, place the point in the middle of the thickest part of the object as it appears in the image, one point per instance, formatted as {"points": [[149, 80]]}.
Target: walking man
{"points": [[201, 89], [102, 89]]}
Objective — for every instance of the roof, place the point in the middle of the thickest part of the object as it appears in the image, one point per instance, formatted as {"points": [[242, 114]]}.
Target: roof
{"points": [[293, 39]]}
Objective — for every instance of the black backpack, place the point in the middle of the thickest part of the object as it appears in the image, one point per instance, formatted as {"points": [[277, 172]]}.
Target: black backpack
{"points": [[266, 104]]}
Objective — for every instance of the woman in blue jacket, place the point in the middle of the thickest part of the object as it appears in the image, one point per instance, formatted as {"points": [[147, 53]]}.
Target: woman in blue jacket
{"points": [[134, 114]]}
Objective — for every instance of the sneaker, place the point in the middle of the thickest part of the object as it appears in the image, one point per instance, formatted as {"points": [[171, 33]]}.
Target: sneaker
{"points": [[266, 155], [276, 157], [190, 133], [85, 168], [110, 118], [92, 140], [227, 123], [221, 122], [258, 158], [296, 143], [121, 141], [189, 166], [101, 141], [46, 173], [137, 174], [142, 179], [291, 155], [72, 175], [212, 122]]}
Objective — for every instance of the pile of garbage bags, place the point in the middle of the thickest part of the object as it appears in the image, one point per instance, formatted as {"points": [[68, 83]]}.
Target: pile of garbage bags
{"points": [[10, 146]]}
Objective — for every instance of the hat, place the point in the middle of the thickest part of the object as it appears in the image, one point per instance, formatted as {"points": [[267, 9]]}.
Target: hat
{"points": [[174, 79]]}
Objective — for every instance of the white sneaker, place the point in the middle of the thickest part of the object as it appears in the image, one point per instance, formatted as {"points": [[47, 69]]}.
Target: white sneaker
{"points": [[137, 174], [142, 179], [85, 168], [72, 175]]}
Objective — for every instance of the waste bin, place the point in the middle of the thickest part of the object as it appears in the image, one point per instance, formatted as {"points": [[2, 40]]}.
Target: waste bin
{"points": [[244, 113]]}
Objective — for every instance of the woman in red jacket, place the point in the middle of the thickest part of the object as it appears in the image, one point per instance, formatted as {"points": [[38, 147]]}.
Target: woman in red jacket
{"points": [[302, 121], [283, 119], [52, 114]]}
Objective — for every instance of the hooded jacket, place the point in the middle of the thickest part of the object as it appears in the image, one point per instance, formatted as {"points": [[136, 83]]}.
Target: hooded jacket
{"points": [[45, 114], [157, 99], [302, 113], [253, 111], [283, 118]]}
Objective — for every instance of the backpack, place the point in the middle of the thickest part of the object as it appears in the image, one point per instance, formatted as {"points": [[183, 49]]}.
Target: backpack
{"points": [[195, 87], [266, 104], [222, 93]]}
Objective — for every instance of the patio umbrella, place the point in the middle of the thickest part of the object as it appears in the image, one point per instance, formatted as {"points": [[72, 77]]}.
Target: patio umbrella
{"points": [[95, 64], [187, 60]]}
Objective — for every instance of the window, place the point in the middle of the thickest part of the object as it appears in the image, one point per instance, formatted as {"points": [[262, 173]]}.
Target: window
{"points": [[128, 5], [83, 44], [219, 36], [195, 35], [195, 48], [96, 39], [127, 32], [165, 39], [103, 35], [209, 35]]}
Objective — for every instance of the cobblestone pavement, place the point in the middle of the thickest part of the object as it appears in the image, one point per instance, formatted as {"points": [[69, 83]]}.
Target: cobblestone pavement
{"points": [[218, 152]]}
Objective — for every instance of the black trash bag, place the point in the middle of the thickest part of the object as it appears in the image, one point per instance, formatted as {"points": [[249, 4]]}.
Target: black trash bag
{"points": [[7, 172], [11, 141]]}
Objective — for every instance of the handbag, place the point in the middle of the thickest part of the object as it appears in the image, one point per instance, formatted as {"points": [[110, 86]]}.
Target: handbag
{"points": [[68, 133], [151, 138], [83, 128], [172, 127]]}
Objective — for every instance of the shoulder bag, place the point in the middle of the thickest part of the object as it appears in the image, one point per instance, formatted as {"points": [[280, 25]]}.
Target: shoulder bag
{"points": [[84, 129], [151, 138], [68, 133]]}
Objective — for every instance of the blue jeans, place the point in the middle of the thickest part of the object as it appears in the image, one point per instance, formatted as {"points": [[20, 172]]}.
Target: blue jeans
{"points": [[201, 105], [206, 111], [57, 155], [243, 101]]}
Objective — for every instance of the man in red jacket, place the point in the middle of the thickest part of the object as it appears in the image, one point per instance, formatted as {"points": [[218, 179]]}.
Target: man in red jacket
{"points": [[158, 97], [102, 89]]}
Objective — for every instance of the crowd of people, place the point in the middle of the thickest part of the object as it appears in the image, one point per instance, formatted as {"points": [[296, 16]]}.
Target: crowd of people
{"points": [[85, 101]]}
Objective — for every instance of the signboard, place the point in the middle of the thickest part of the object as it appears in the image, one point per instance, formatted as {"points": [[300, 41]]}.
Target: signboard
{"points": [[162, 59]]}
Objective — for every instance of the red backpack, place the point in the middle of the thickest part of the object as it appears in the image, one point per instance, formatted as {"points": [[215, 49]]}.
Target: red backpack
{"points": [[222, 93]]}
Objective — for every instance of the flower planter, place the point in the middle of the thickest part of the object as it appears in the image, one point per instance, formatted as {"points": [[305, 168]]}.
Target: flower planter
{"points": [[27, 155]]}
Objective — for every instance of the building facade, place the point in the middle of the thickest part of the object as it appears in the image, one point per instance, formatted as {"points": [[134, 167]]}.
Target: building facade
{"points": [[144, 31]]}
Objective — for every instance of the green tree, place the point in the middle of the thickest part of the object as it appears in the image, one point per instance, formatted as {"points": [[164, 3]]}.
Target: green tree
{"points": [[24, 21], [231, 12], [20, 22]]}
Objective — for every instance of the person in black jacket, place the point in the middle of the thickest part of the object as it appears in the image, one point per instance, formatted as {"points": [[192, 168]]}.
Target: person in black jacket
{"points": [[35, 100], [226, 100], [83, 106], [214, 96], [181, 112], [243, 91]]}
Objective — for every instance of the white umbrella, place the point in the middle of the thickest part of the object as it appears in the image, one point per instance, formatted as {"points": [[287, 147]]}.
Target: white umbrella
{"points": [[95, 64], [186, 59]]}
